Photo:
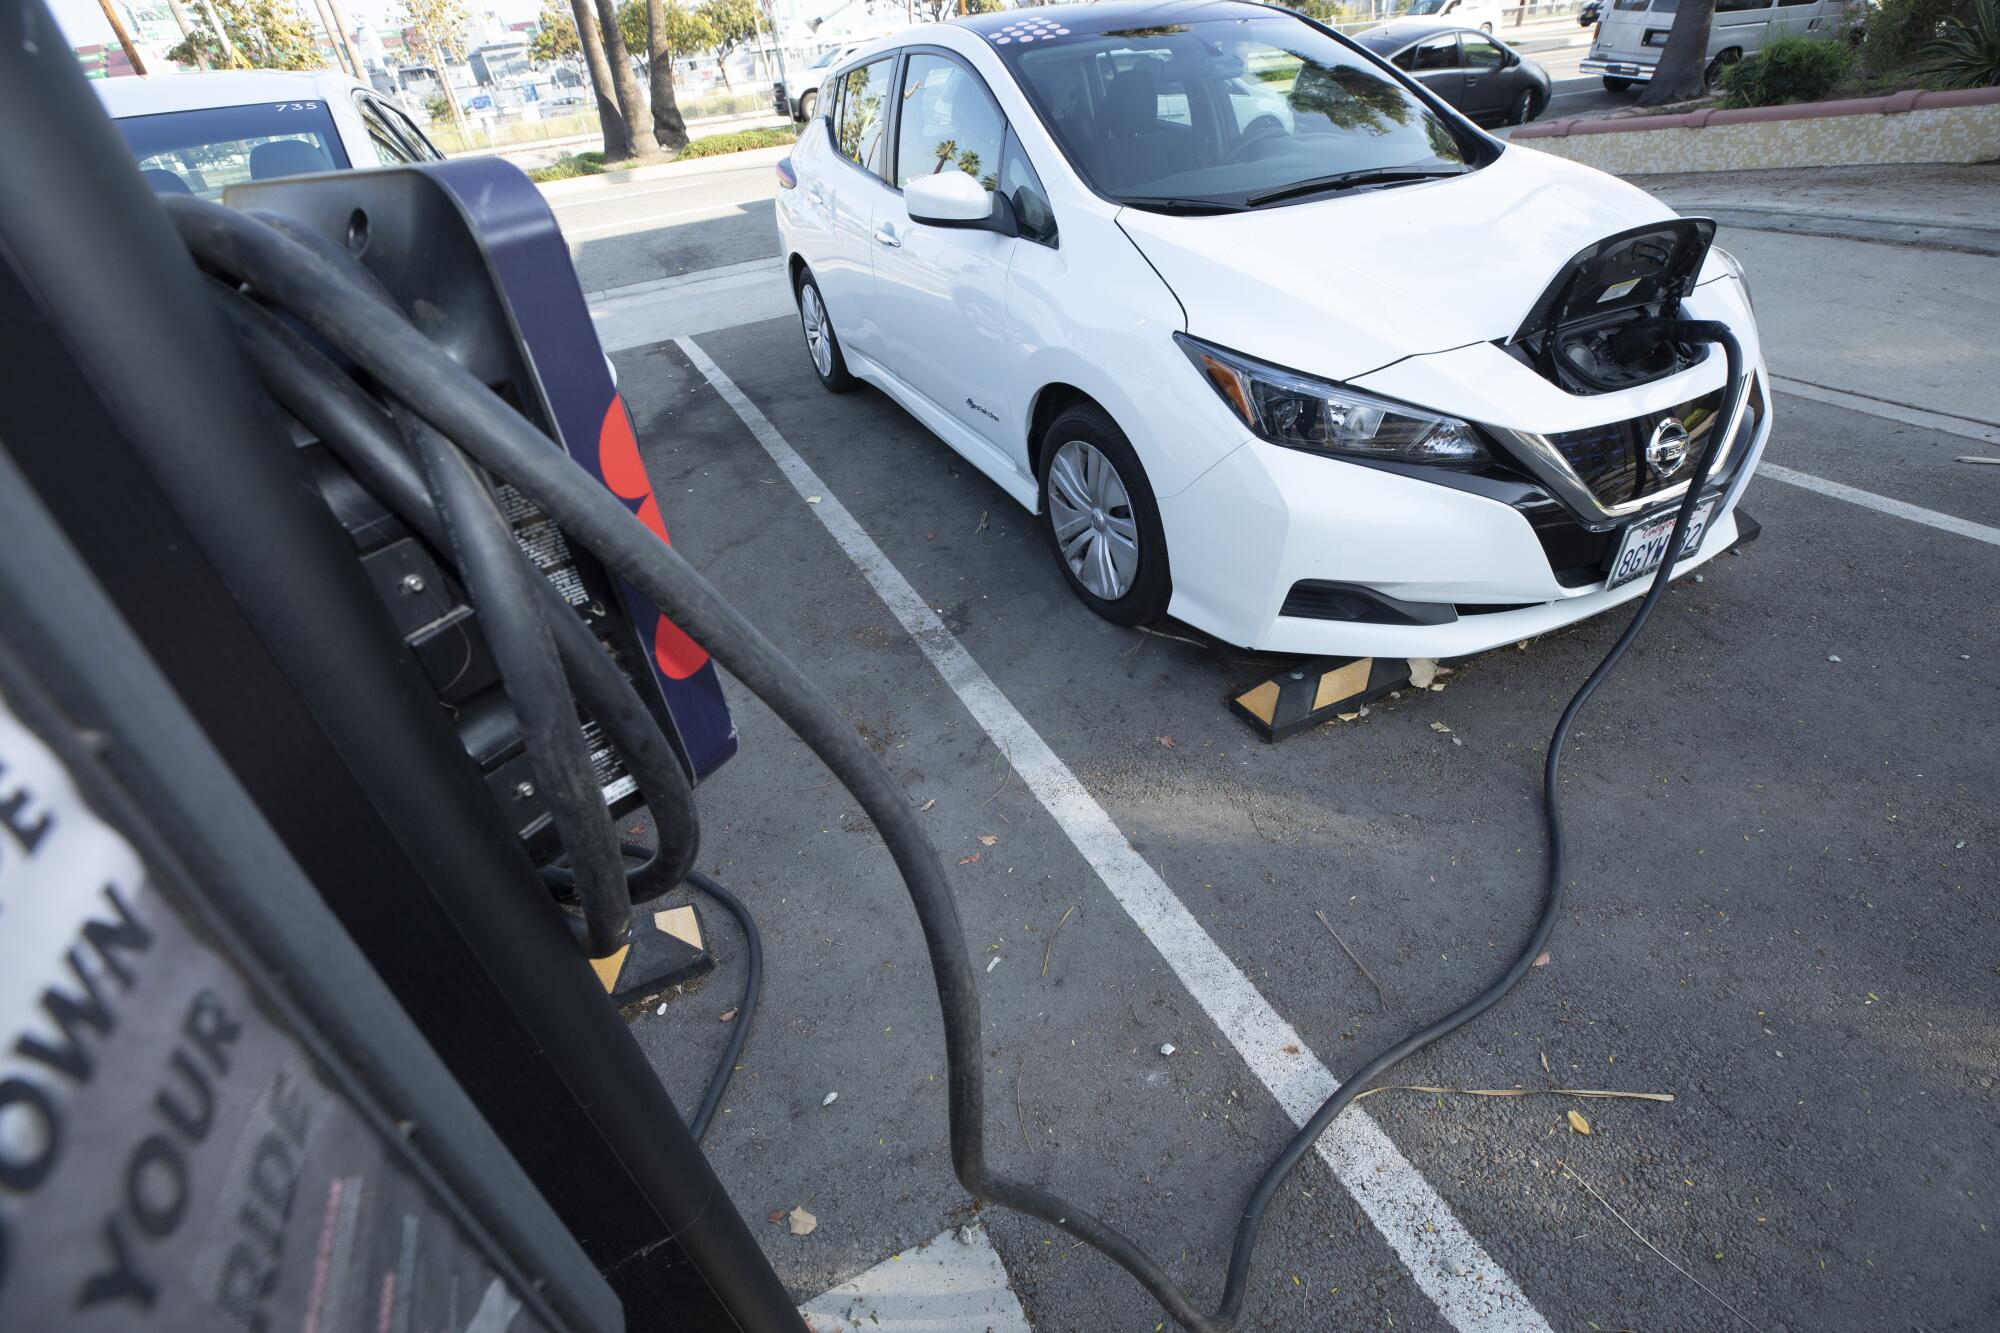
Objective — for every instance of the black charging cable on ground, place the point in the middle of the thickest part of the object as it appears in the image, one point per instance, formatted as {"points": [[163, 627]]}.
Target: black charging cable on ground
{"points": [[406, 366]]}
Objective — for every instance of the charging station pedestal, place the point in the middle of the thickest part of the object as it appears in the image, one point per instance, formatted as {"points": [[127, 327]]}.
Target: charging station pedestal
{"points": [[200, 675]]}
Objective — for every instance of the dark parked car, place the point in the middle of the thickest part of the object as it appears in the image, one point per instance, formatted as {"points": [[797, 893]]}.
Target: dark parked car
{"points": [[1592, 10], [1478, 74]]}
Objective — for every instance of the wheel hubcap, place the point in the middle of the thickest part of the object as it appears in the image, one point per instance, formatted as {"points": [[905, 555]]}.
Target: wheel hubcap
{"points": [[1095, 528], [819, 341]]}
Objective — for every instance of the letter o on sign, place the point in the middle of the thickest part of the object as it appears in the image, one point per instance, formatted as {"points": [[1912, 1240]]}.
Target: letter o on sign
{"points": [[156, 1185], [30, 1135]]}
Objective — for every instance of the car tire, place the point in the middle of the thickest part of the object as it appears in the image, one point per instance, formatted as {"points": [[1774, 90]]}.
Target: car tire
{"points": [[1712, 76], [1612, 85], [1117, 511], [822, 346], [1486, 28], [1526, 107], [808, 104]]}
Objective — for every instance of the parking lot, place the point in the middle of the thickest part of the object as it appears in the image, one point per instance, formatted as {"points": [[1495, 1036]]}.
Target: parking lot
{"points": [[1782, 816]]}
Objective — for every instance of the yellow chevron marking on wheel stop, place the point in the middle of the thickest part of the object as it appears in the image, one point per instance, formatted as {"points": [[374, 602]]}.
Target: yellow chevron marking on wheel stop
{"points": [[1261, 702]]}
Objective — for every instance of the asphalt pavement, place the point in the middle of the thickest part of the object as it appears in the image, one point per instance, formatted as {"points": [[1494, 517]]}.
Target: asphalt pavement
{"points": [[1781, 911]]}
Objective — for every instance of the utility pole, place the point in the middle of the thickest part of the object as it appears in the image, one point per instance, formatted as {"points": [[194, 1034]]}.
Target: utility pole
{"points": [[332, 37], [229, 57], [124, 37], [346, 42], [181, 18]]}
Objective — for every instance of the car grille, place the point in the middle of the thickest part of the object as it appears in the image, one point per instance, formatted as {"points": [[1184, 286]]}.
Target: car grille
{"points": [[1611, 459]]}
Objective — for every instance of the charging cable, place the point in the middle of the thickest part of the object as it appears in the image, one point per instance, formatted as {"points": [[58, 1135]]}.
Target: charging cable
{"points": [[266, 270]]}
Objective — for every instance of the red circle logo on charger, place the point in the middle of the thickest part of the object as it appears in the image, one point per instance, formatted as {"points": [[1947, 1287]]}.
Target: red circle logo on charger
{"points": [[618, 459]]}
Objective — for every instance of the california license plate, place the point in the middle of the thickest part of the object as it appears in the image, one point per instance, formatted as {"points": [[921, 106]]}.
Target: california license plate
{"points": [[1645, 543]]}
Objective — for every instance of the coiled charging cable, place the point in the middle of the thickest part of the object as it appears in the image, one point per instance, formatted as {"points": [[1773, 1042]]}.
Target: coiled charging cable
{"points": [[273, 270]]}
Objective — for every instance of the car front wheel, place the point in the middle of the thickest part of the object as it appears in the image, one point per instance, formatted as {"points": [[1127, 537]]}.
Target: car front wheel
{"points": [[807, 106], [1101, 518], [821, 344], [1524, 108]]}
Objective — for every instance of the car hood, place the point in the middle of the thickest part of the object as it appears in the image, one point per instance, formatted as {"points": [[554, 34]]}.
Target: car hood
{"points": [[1344, 285]]}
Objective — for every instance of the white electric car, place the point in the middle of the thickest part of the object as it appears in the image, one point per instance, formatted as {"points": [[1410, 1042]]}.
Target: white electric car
{"points": [[1352, 379]]}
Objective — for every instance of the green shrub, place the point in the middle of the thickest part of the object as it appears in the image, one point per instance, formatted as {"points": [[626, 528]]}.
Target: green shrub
{"points": [[1896, 30], [740, 140], [1790, 69], [1966, 52], [569, 165]]}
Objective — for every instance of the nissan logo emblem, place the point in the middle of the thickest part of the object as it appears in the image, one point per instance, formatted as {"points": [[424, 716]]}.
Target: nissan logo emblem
{"points": [[1668, 448]]}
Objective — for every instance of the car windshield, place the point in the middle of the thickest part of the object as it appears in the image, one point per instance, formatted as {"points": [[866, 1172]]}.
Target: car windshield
{"points": [[1227, 113], [203, 152]]}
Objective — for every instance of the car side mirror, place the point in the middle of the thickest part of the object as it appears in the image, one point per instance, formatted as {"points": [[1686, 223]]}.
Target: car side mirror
{"points": [[1513, 59], [954, 199]]}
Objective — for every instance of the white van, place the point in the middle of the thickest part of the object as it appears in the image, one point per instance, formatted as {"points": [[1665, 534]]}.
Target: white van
{"points": [[1632, 32], [1481, 14]]}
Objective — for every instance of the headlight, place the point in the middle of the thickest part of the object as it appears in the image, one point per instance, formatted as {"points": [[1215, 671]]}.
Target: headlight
{"points": [[1299, 412], [1735, 267]]}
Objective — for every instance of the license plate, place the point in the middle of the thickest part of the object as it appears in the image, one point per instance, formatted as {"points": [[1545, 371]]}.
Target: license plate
{"points": [[1645, 544]]}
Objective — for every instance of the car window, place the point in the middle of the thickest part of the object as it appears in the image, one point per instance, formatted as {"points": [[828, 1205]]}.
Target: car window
{"points": [[418, 141], [1023, 189], [949, 121], [1436, 53], [203, 152], [864, 114], [389, 147], [1482, 54]]}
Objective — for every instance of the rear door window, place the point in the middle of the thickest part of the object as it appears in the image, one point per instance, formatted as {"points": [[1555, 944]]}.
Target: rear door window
{"points": [[860, 132], [204, 152]]}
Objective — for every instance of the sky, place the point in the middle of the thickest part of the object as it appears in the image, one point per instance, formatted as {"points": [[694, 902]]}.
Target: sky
{"points": [[84, 23]]}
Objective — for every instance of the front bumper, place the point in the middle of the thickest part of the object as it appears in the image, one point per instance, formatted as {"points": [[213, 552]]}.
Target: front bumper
{"points": [[1483, 563], [1617, 69]]}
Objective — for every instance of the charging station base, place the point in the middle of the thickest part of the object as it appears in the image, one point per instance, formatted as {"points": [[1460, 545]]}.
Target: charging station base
{"points": [[668, 948], [1317, 691]]}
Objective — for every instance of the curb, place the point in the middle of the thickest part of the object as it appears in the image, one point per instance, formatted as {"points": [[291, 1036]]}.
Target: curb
{"points": [[612, 181]]}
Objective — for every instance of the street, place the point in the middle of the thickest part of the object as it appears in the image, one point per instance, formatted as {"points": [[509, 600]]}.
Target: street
{"points": [[1782, 826]]}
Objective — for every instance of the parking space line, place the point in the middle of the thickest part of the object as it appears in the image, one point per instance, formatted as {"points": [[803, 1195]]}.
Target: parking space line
{"points": [[1971, 428], [1930, 518], [1468, 1286]]}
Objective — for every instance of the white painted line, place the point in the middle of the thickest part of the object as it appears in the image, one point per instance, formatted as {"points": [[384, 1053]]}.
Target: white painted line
{"points": [[1471, 1290], [953, 1283], [1930, 518], [1970, 428], [696, 303]]}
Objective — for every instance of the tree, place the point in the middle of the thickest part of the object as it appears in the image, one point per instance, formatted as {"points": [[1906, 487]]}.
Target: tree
{"points": [[940, 10], [611, 119], [254, 34], [672, 31], [617, 57], [731, 24], [555, 41], [1683, 69], [438, 27]]}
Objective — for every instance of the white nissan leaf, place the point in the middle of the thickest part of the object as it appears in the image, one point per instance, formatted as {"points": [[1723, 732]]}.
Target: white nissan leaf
{"points": [[1274, 340]]}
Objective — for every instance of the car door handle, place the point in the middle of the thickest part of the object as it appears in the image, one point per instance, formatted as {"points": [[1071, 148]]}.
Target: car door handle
{"points": [[887, 237], [817, 195]]}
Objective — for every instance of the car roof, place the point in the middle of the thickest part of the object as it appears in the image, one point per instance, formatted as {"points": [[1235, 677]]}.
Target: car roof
{"points": [[153, 94], [1115, 15], [1392, 35]]}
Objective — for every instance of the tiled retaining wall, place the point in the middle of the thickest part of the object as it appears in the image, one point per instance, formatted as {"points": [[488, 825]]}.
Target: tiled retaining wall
{"points": [[1958, 126]]}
